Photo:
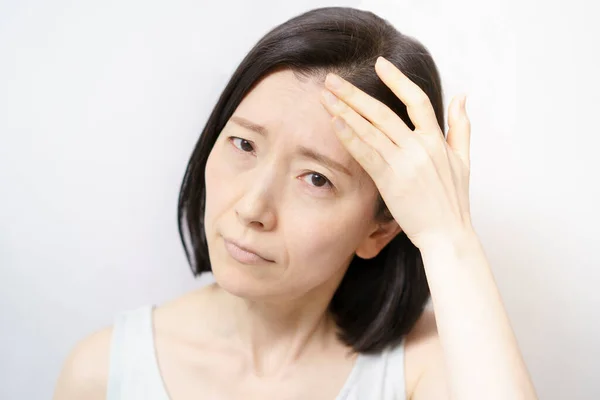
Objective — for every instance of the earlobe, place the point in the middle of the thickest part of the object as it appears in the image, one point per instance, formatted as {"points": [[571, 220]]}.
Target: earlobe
{"points": [[378, 239]]}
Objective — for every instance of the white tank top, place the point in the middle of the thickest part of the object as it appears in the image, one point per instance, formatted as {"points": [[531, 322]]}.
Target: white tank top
{"points": [[134, 372]]}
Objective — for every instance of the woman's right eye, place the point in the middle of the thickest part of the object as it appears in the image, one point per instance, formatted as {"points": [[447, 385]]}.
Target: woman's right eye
{"points": [[242, 145]]}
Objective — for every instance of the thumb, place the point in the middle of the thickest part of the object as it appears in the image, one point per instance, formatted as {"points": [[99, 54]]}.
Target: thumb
{"points": [[459, 129]]}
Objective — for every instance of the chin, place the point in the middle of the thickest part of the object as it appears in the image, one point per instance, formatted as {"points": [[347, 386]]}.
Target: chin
{"points": [[234, 282], [251, 282]]}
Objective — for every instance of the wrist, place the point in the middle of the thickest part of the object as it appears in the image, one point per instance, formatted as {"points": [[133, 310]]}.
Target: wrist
{"points": [[457, 244]]}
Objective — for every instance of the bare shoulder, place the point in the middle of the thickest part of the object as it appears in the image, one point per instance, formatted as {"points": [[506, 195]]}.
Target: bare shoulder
{"points": [[187, 315], [424, 358], [85, 371]]}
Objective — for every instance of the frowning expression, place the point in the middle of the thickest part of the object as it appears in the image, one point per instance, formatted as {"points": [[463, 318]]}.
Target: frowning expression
{"points": [[280, 184]]}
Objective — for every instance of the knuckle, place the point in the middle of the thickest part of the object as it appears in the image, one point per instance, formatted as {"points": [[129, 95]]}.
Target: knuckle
{"points": [[368, 134], [421, 99], [383, 114], [343, 110], [434, 144], [370, 157], [420, 156]]}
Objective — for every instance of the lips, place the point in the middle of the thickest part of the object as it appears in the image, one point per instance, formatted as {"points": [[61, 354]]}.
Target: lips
{"points": [[244, 253]]}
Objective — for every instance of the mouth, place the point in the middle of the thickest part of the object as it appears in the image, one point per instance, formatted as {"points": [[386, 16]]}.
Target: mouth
{"points": [[244, 254]]}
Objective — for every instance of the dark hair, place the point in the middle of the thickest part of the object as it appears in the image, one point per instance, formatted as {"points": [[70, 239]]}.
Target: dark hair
{"points": [[379, 300]]}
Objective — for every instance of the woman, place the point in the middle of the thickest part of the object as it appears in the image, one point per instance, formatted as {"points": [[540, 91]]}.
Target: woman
{"points": [[326, 200]]}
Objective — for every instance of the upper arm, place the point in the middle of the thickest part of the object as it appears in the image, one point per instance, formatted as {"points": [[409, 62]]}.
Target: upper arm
{"points": [[433, 384], [427, 375], [85, 372]]}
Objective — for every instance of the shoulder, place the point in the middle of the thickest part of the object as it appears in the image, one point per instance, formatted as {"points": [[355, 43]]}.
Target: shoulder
{"points": [[424, 358], [85, 371], [187, 316]]}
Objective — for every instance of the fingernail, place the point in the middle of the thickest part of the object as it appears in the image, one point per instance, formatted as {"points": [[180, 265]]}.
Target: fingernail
{"points": [[334, 81], [463, 103]]}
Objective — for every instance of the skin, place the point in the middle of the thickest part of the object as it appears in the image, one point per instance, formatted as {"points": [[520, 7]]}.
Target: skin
{"points": [[263, 331], [424, 180]]}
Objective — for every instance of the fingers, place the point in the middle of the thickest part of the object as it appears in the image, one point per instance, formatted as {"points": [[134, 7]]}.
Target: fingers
{"points": [[377, 113], [459, 131], [373, 124], [365, 143], [417, 102], [359, 126], [368, 158], [367, 148]]}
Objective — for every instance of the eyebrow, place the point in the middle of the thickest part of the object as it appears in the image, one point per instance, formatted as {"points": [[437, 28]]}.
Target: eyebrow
{"points": [[323, 159], [303, 151], [244, 123]]}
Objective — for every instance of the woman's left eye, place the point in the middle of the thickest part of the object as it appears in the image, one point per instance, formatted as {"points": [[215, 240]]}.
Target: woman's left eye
{"points": [[318, 180]]}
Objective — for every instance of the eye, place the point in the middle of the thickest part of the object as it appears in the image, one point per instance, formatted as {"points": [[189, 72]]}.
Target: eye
{"points": [[318, 180], [241, 144]]}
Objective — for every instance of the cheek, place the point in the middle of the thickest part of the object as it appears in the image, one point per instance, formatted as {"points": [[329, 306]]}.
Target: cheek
{"points": [[325, 241], [220, 167], [211, 172], [214, 176]]}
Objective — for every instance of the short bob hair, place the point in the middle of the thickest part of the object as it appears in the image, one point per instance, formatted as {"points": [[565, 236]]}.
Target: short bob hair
{"points": [[379, 300]]}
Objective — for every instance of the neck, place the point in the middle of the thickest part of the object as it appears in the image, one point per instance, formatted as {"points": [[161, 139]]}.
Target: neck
{"points": [[276, 333]]}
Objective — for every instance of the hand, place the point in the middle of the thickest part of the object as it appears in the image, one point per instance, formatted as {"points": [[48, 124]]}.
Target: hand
{"points": [[423, 179]]}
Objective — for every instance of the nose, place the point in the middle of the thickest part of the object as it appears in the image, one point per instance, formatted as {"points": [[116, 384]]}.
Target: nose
{"points": [[256, 209]]}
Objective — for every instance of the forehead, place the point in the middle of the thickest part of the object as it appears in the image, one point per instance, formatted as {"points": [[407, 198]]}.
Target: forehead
{"points": [[283, 90], [290, 107]]}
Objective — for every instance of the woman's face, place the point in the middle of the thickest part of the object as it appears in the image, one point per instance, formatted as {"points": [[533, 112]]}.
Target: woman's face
{"points": [[280, 183]]}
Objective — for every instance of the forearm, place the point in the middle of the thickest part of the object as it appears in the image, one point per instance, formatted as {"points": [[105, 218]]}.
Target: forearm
{"points": [[482, 357]]}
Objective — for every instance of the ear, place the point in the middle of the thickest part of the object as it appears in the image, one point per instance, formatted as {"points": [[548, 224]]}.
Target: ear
{"points": [[381, 235]]}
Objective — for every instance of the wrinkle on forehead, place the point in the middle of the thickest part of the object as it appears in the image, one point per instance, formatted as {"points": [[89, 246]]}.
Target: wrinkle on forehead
{"points": [[282, 103], [289, 105]]}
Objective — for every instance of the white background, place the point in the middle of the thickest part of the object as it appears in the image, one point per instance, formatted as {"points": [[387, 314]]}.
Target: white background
{"points": [[101, 104]]}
